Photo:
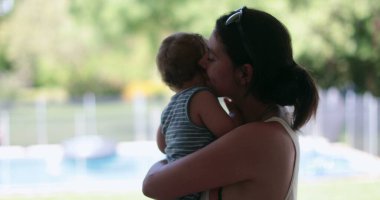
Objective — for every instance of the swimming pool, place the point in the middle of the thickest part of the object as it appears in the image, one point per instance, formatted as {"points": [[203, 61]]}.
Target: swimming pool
{"points": [[44, 167], [323, 160]]}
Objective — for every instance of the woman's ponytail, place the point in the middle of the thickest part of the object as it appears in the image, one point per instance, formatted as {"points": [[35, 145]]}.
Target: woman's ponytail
{"points": [[306, 99]]}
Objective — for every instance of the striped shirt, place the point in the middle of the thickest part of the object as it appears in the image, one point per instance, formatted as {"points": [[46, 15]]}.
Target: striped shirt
{"points": [[182, 137]]}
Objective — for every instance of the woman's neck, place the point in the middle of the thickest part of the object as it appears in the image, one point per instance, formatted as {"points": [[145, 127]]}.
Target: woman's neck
{"points": [[253, 110]]}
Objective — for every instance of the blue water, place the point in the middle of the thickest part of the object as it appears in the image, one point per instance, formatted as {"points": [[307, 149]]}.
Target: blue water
{"points": [[314, 164], [24, 172]]}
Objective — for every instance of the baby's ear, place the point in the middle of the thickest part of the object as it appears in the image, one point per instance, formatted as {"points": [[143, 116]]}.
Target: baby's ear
{"points": [[246, 72]]}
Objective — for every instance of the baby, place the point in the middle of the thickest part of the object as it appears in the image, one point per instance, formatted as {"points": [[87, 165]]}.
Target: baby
{"points": [[194, 117]]}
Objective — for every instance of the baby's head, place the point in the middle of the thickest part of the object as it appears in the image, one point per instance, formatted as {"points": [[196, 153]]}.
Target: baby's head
{"points": [[178, 58]]}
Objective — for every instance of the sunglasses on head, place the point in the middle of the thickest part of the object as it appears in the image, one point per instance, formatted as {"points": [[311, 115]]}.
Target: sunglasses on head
{"points": [[237, 18]]}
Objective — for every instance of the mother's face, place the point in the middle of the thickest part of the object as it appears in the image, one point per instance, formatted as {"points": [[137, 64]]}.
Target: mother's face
{"points": [[219, 68]]}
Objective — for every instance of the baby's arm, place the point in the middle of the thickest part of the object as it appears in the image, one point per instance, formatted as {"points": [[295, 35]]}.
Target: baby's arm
{"points": [[160, 139], [206, 109]]}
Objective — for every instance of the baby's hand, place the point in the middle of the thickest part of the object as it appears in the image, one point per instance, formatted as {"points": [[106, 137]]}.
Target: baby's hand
{"points": [[234, 111]]}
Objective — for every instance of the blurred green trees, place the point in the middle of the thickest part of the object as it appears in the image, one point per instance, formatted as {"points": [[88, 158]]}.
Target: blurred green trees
{"points": [[341, 43], [102, 46]]}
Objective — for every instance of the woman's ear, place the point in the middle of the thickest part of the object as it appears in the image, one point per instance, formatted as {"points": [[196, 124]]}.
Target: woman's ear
{"points": [[246, 73]]}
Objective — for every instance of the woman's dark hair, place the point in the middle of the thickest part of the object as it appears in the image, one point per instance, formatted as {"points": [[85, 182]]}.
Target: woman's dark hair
{"points": [[178, 58], [277, 78]]}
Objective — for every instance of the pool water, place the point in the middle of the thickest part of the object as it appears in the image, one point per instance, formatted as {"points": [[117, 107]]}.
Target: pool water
{"points": [[130, 164], [323, 160], [46, 168], [315, 164], [19, 172]]}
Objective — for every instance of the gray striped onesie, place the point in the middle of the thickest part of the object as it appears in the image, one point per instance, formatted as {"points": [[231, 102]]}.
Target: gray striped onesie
{"points": [[182, 137]]}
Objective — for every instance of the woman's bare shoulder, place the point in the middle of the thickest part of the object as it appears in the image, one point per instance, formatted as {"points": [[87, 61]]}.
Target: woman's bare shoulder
{"points": [[267, 156], [257, 131], [263, 141]]}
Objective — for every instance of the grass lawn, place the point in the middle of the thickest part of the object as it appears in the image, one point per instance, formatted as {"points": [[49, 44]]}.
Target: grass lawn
{"points": [[324, 190], [68, 196], [349, 189]]}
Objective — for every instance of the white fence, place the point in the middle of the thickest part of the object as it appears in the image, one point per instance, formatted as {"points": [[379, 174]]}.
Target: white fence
{"points": [[342, 117], [348, 118]]}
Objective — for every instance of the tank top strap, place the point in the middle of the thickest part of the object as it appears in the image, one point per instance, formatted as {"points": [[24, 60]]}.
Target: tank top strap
{"points": [[292, 191]]}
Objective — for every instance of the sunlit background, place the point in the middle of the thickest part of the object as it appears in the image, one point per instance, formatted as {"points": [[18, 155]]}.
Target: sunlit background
{"points": [[80, 98]]}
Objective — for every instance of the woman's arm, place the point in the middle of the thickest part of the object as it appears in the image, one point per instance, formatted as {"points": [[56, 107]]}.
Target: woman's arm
{"points": [[223, 162], [251, 152], [157, 168], [154, 169]]}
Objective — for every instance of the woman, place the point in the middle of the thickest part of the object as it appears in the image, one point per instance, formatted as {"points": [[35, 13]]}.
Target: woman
{"points": [[250, 61]]}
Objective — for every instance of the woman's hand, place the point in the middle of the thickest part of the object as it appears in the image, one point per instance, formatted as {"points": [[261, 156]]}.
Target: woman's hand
{"points": [[148, 189]]}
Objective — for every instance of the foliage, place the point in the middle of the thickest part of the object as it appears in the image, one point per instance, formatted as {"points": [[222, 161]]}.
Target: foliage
{"points": [[82, 83], [342, 44], [5, 64], [73, 44]]}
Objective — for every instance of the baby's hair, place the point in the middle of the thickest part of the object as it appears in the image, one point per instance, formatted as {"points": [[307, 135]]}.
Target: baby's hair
{"points": [[178, 58]]}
